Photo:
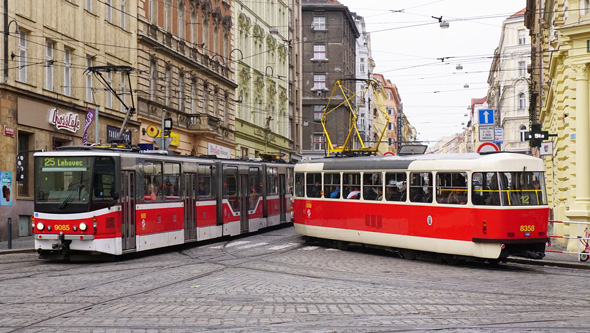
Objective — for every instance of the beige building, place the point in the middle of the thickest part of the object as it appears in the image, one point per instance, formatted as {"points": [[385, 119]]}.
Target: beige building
{"points": [[184, 49], [46, 95], [560, 31], [508, 83]]}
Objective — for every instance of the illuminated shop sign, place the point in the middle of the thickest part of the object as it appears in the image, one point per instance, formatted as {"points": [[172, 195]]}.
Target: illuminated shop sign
{"points": [[66, 121]]}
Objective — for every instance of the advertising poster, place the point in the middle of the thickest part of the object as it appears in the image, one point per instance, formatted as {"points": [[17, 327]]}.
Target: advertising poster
{"points": [[6, 185]]}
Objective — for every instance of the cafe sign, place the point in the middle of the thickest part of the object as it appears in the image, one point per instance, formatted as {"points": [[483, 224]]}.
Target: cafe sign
{"points": [[64, 121]]}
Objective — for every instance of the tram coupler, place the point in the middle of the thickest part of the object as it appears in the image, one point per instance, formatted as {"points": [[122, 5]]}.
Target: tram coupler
{"points": [[63, 246]]}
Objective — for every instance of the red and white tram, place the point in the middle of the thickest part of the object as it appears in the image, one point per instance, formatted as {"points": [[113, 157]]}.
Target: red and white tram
{"points": [[117, 201], [486, 206]]}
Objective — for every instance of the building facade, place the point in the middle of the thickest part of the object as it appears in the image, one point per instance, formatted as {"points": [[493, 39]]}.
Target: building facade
{"points": [[263, 115], [364, 71], [183, 55], [47, 96], [329, 51], [508, 83], [560, 31]]}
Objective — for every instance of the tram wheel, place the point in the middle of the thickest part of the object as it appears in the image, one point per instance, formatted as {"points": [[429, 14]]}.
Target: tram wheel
{"points": [[341, 245], [450, 259], [408, 254], [494, 262]]}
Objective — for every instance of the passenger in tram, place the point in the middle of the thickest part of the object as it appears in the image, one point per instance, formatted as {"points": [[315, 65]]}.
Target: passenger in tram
{"points": [[336, 193], [202, 190], [427, 195], [151, 193], [315, 191], [354, 194], [404, 192]]}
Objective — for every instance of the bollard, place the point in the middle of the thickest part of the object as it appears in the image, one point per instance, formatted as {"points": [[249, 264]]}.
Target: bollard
{"points": [[9, 233]]}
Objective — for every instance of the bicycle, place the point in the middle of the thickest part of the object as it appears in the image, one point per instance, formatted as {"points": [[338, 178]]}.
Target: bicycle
{"points": [[586, 250]]}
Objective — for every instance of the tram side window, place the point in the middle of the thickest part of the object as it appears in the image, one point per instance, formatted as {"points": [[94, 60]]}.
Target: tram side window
{"points": [[299, 185], [314, 185], [205, 188], [451, 188], [372, 186], [230, 187], [104, 179], [421, 187], [272, 181], [396, 186], [171, 186], [332, 185], [524, 188], [290, 179], [351, 185], [151, 174], [486, 189], [254, 187]]}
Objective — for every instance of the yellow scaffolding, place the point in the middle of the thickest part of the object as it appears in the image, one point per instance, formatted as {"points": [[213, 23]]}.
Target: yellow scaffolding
{"points": [[353, 133]]}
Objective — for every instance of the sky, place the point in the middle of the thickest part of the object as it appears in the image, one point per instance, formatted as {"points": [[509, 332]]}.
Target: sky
{"points": [[411, 50]]}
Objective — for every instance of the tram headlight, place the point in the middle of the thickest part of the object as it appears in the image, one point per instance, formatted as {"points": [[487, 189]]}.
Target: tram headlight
{"points": [[83, 226], [40, 226]]}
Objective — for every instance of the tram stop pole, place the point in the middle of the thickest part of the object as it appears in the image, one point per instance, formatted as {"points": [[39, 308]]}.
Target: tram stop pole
{"points": [[9, 233]]}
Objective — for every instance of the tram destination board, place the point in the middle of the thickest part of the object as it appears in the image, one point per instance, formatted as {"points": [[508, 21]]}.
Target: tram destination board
{"points": [[487, 133]]}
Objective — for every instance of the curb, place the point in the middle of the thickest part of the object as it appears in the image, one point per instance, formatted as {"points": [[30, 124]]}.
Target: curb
{"points": [[11, 251]]}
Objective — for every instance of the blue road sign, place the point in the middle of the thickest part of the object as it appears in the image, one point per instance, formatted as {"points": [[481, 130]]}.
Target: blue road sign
{"points": [[486, 117]]}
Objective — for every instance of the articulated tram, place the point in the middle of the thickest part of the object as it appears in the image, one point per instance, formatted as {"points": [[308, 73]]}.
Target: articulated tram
{"points": [[117, 201], [486, 206]]}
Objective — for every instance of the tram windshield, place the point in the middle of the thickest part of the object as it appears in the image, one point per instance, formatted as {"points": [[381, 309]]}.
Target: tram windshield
{"points": [[508, 188], [69, 183]]}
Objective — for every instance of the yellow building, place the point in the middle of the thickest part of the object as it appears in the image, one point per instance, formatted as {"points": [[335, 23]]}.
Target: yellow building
{"points": [[46, 94], [561, 57]]}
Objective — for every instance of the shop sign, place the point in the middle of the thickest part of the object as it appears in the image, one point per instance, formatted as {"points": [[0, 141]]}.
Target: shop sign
{"points": [[66, 121], [9, 131], [113, 134], [219, 151]]}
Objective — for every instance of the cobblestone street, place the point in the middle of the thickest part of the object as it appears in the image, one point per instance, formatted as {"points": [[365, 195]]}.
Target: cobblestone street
{"points": [[275, 282]]}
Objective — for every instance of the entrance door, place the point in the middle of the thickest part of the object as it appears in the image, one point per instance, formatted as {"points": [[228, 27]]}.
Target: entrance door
{"points": [[282, 206], [190, 221], [243, 193], [128, 209]]}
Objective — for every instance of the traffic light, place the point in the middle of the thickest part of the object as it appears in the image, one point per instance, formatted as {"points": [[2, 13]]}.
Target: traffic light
{"points": [[536, 136], [20, 169]]}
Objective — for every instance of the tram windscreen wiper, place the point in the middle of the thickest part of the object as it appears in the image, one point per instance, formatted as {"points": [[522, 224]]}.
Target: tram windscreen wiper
{"points": [[71, 196]]}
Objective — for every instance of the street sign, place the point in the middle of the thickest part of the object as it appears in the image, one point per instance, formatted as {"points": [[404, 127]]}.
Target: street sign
{"points": [[487, 147], [499, 135], [486, 132], [486, 117]]}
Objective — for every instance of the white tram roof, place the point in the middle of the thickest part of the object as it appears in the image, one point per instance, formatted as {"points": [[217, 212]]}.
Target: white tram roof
{"points": [[500, 161]]}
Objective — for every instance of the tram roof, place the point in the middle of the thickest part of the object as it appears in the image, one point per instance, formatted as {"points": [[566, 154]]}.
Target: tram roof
{"points": [[501, 161]]}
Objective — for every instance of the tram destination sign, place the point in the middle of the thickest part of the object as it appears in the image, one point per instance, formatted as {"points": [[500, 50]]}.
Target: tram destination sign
{"points": [[487, 133]]}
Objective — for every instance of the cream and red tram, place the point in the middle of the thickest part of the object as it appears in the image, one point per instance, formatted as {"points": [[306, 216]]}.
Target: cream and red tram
{"points": [[117, 201], [485, 206]]}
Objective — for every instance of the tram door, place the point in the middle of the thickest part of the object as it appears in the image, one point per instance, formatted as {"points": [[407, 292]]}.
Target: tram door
{"points": [[282, 206], [243, 193], [190, 221], [128, 209]]}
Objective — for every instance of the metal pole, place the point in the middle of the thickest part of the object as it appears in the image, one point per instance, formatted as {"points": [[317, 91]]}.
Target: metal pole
{"points": [[96, 126], [10, 233], [162, 131], [5, 41]]}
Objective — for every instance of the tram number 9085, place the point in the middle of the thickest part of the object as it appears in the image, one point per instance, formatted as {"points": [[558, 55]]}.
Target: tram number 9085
{"points": [[65, 227]]}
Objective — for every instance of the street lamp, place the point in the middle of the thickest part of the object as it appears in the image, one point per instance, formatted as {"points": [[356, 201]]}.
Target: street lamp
{"points": [[443, 24]]}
